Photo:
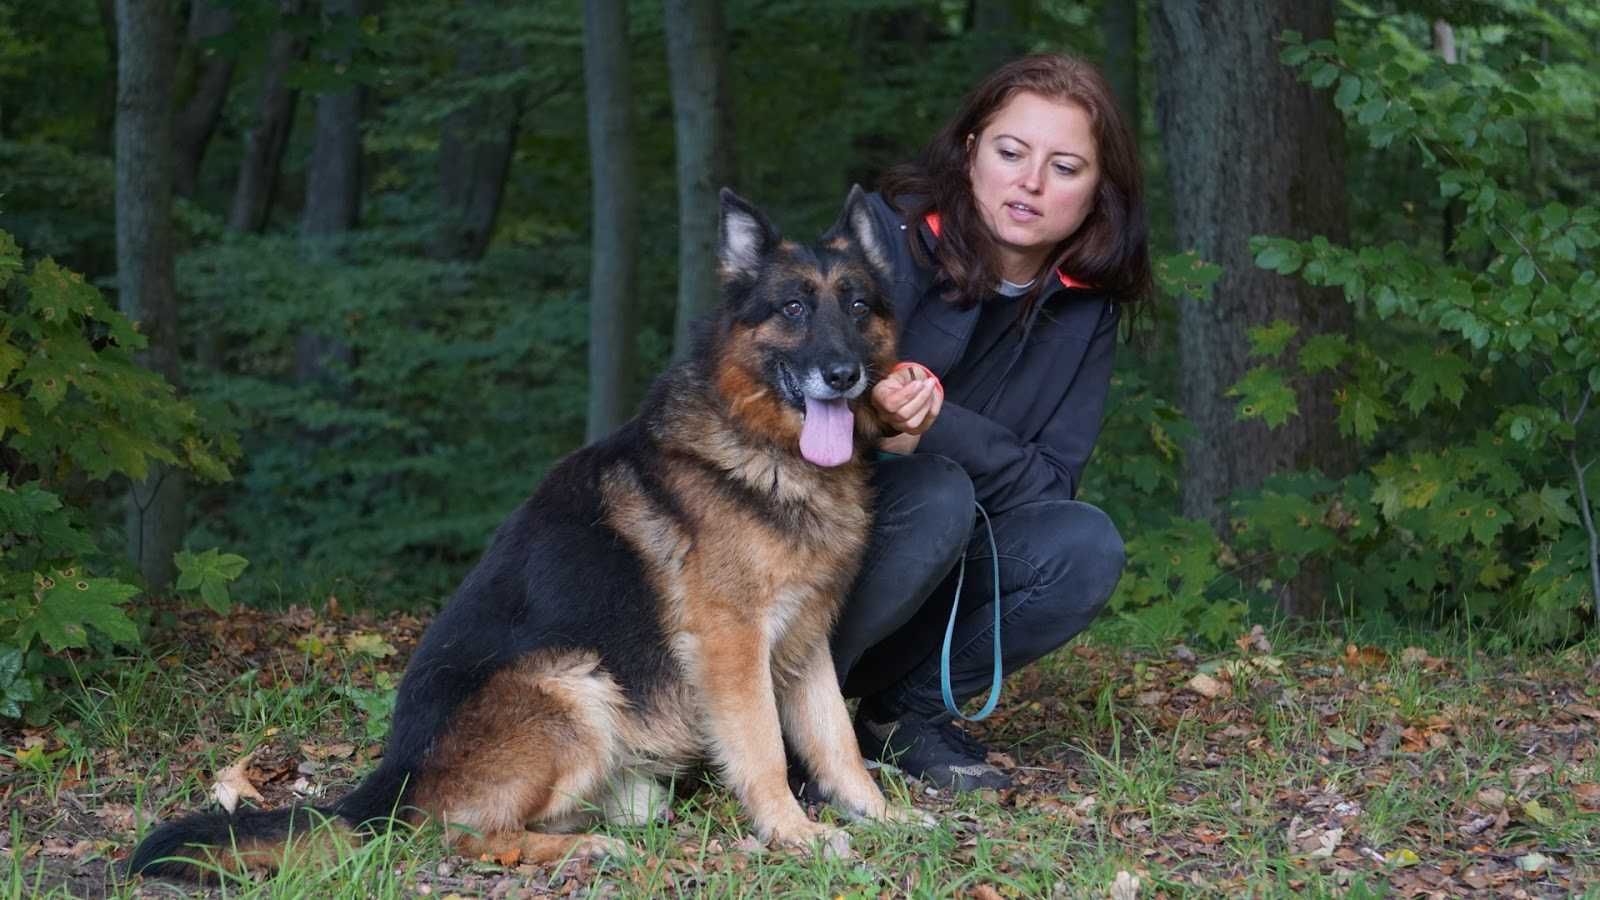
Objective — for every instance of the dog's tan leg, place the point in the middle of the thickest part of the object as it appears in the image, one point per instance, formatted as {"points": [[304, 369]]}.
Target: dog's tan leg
{"points": [[536, 742], [818, 725], [732, 664]]}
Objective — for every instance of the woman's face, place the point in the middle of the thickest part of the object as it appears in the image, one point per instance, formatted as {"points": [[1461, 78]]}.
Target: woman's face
{"points": [[1034, 174]]}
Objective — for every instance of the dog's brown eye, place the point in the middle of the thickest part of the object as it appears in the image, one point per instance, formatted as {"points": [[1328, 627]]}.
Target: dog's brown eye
{"points": [[794, 309], [859, 309]]}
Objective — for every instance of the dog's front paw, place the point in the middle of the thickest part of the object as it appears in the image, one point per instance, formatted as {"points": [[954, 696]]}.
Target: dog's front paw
{"points": [[829, 843]]}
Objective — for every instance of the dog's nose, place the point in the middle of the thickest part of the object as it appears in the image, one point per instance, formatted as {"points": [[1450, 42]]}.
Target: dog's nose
{"points": [[841, 376]]}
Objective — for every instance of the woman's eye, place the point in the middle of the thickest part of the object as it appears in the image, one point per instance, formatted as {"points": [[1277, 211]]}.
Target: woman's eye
{"points": [[1065, 170], [859, 309], [794, 309], [1009, 155]]}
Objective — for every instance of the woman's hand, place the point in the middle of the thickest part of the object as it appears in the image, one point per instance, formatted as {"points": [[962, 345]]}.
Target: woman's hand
{"points": [[908, 400]]}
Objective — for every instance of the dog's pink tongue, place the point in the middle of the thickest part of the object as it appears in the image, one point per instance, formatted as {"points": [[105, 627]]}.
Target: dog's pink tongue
{"points": [[826, 437]]}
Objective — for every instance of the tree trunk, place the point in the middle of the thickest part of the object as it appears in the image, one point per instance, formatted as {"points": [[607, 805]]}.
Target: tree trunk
{"points": [[333, 194], [998, 28], [268, 135], [614, 249], [696, 57], [475, 153], [143, 137], [212, 76], [1249, 151], [1444, 43], [1119, 31]]}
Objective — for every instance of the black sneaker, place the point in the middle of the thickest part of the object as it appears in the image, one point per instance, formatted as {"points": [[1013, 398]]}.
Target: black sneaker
{"points": [[931, 750]]}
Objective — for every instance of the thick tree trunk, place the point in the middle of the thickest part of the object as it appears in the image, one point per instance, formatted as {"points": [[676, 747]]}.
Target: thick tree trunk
{"points": [[212, 76], [614, 250], [475, 153], [1250, 151], [268, 135], [333, 194], [998, 26], [696, 57], [1119, 32], [143, 137]]}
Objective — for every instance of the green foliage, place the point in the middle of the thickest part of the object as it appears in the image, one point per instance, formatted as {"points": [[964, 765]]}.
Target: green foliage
{"points": [[77, 412], [1471, 378], [210, 573], [386, 473]]}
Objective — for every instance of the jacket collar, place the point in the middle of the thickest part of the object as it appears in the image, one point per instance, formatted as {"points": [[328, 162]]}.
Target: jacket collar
{"points": [[930, 232]]}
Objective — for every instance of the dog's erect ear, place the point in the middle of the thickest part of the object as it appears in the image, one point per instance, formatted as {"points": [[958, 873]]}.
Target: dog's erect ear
{"points": [[747, 237], [855, 223]]}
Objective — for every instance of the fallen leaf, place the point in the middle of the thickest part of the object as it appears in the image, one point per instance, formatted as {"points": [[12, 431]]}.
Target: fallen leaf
{"points": [[328, 751], [1583, 709], [1125, 887], [1533, 810], [1341, 738], [1493, 798], [1208, 687], [1588, 795], [1533, 862], [985, 892], [1404, 857], [1363, 657], [232, 784], [369, 645], [1413, 656], [1256, 640]]}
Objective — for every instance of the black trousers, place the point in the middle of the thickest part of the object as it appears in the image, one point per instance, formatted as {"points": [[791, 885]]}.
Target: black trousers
{"points": [[1059, 561]]}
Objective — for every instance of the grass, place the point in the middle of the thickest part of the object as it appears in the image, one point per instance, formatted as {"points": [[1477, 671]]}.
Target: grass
{"points": [[1322, 769]]}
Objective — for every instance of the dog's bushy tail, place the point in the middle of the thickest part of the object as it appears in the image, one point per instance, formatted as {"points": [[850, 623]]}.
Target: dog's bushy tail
{"points": [[201, 846]]}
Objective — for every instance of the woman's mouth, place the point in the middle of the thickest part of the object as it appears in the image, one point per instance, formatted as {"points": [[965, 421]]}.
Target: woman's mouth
{"points": [[1022, 212]]}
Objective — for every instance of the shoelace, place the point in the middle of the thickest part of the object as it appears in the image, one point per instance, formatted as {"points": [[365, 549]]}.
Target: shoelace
{"points": [[950, 630]]}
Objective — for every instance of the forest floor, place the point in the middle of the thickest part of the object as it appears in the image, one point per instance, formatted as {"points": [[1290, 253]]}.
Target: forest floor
{"points": [[1316, 767]]}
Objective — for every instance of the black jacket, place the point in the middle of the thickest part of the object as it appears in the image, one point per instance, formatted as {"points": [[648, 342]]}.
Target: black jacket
{"points": [[1029, 440]]}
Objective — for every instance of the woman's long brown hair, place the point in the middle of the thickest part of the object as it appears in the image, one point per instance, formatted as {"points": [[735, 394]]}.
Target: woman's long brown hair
{"points": [[1109, 251]]}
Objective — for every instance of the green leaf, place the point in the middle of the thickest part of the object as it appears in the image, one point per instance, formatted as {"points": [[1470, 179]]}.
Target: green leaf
{"points": [[1271, 340], [1280, 256], [1349, 92], [1441, 374], [1341, 738], [1264, 395], [69, 603], [210, 573], [1322, 352], [1523, 270]]}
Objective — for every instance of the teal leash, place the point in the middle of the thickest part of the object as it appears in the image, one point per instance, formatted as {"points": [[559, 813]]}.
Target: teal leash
{"points": [[950, 630]]}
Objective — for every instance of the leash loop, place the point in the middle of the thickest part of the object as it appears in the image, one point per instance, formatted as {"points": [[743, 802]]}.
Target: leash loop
{"points": [[950, 630]]}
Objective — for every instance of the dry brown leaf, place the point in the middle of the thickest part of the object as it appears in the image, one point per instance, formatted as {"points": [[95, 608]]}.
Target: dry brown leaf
{"points": [[1256, 640], [1588, 795], [328, 751], [1208, 687], [1363, 657], [1125, 887], [1583, 709], [231, 785], [986, 892], [1151, 698]]}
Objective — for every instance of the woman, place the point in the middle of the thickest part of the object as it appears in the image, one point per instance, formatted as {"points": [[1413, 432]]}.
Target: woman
{"points": [[1015, 239]]}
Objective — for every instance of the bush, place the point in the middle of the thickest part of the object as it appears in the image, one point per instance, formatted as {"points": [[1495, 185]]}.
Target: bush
{"points": [[1472, 377], [77, 415]]}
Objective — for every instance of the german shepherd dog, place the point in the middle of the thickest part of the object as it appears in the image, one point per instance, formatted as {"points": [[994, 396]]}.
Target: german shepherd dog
{"points": [[664, 598]]}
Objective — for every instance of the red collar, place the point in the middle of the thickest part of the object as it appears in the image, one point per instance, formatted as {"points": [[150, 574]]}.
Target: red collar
{"points": [[1067, 281]]}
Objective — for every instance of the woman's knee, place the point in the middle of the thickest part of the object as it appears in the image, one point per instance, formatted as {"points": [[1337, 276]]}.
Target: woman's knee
{"points": [[1076, 544], [928, 495]]}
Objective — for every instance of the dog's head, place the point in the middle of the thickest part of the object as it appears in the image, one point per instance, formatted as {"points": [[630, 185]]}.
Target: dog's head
{"points": [[804, 330]]}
